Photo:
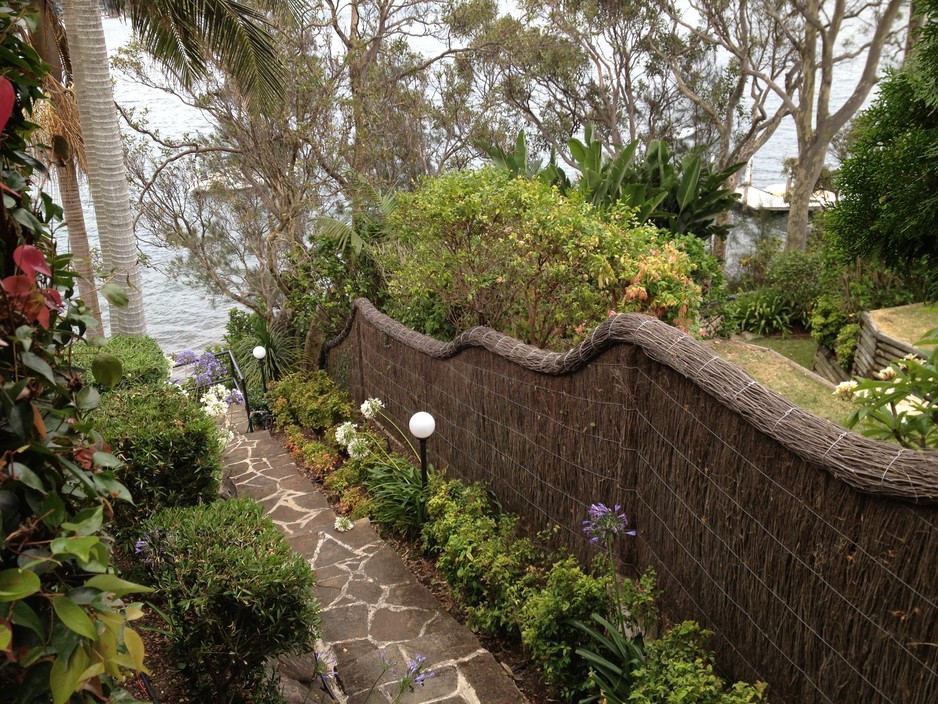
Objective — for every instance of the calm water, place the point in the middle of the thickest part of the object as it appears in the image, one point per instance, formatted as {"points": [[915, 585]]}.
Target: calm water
{"points": [[180, 317]]}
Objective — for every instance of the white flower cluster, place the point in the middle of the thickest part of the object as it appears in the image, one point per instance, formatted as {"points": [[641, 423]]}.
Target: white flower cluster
{"points": [[213, 401], [357, 448], [343, 524], [887, 374], [845, 389], [345, 433], [371, 407], [355, 443]]}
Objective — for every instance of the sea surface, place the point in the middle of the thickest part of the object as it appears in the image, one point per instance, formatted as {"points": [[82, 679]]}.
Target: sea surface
{"points": [[181, 317]]}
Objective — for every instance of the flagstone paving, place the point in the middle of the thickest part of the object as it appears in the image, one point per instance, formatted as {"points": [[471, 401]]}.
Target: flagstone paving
{"points": [[373, 608]]}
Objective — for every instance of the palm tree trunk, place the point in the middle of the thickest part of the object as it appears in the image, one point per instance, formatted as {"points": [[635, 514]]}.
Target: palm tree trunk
{"points": [[78, 239], [105, 155]]}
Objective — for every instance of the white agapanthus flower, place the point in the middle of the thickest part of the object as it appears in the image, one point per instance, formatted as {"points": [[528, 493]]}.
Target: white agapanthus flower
{"points": [[345, 433], [371, 407], [213, 400], [357, 448], [343, 524]]}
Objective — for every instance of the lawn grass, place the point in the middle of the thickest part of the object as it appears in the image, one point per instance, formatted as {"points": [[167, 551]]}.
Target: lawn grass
{"points": [[907, 323], [798, 348], [798, 386]]}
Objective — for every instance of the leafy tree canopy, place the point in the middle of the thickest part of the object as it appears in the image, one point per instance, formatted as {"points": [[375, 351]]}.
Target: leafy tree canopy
{"points": [[889, 184]]}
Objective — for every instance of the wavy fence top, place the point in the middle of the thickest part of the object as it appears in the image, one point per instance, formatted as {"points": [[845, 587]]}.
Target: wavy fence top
{"points": [[866, 465]]}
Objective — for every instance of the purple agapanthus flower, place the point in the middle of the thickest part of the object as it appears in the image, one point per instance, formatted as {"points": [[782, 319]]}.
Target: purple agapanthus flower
{"points": [[417, 671], [234, 396], [185, 357], [209, 370], [605, 522]]}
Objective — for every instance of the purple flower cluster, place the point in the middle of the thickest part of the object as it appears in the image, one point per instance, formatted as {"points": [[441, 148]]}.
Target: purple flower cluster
{"points": [[185, 357], [208, 369], [605, 522], [417, 671], [144, 548], [234, 396], [325, 665]]}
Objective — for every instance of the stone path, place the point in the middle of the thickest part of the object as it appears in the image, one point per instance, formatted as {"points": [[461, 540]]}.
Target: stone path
{"points": [[372, 605]]}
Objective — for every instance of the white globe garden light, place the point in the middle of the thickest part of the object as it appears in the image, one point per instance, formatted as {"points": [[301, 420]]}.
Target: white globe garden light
{"points": [[422, 426], [259, 353]]}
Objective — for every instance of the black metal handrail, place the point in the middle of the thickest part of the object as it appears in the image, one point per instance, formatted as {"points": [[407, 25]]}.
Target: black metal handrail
{"points": [[235, 377]]}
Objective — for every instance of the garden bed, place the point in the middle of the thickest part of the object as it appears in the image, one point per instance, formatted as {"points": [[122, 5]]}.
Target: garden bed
{"points": [[801, 386], [906, 323]]}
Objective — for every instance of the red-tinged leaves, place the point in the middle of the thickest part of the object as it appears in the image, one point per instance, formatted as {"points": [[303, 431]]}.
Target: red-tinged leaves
{"points": [[7, 101], [30, 300], [18, 285], [31, 261]]}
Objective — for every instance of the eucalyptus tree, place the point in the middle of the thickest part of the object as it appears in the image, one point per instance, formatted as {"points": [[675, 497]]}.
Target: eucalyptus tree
{"points": [[811, 42], [366, 109], [569, 63], [181, 35]]}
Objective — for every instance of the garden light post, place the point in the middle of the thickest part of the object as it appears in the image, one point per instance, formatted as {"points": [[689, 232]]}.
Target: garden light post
{"points": [[259, 353], [422, 426]]}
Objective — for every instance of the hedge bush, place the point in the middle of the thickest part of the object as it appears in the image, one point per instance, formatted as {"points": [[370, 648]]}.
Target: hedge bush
{"points": [[485, 248], [170, 448], [236, 594], [141, 357], [310, 400], [547, 629]]}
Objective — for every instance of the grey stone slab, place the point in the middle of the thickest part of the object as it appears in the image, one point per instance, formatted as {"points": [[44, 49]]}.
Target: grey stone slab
{"points": [[344, 623]]}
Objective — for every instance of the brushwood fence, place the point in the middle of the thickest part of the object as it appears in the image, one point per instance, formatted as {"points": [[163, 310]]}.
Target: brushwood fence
{"points": [[809, 550]]}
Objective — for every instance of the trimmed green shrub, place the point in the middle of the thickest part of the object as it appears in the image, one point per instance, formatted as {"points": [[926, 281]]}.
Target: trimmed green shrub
{"points": [[310, 400], [827, 318], [547, 628], [141, 357], [796, 276], [236, 593], [678, 668], [845, 346], [170, 448]]}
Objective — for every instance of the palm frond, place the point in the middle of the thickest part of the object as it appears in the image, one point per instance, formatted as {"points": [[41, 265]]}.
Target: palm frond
{"points": [[184, 35]]}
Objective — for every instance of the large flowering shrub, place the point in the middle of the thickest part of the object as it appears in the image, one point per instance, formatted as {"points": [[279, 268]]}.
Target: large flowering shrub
{"points": [[485, 248]]}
